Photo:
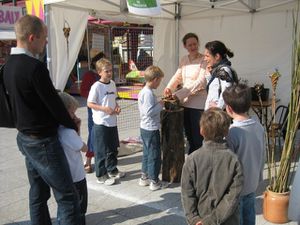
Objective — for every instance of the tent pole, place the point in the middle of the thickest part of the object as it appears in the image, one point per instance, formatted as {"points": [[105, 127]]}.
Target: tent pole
{"points": [[177, 18], [48, 52], [88, 45]]}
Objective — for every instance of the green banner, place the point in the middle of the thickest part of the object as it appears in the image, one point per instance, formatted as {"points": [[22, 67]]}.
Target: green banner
{"points": [[142, 3]]}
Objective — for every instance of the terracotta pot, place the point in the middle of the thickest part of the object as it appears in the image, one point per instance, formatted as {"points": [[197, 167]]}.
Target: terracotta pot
{"points": [[275, 206]]}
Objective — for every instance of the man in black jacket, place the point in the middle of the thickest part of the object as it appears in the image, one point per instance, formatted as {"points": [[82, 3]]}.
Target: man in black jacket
{"points": [[38, 111]]}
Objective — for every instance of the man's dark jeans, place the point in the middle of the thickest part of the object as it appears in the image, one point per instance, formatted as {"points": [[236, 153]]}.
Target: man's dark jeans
{"points": [[47, 167]]}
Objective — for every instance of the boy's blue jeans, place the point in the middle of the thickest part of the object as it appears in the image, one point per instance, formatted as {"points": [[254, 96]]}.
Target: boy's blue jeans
{"points": [[47, 167], [151, 153], [247, 209]]}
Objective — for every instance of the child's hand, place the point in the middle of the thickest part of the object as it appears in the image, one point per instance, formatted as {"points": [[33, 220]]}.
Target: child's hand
{"points": [[213, 104], [161, 102], [167, 92], [117, 110], [109, 110]]}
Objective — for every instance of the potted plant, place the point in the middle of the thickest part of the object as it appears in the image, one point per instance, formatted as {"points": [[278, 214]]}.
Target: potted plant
{"points": [[280, 175]]}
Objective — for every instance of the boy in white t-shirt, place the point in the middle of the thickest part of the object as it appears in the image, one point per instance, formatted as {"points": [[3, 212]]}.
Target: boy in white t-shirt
{"points": [[73, 146], [102, 101]]}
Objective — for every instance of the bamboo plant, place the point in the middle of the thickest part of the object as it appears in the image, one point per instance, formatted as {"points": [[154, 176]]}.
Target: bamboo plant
{"points": [[280, 177]]}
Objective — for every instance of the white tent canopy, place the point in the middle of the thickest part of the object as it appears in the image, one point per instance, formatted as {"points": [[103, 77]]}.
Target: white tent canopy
{"points": [[259, 32]]}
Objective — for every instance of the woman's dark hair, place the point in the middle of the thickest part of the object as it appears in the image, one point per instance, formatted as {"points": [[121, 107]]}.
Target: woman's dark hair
{"points": [[215, 47], [189, 35], [100, 55]]}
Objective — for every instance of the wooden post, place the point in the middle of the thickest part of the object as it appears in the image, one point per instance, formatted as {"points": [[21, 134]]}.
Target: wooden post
{"points": [[172, 144]]}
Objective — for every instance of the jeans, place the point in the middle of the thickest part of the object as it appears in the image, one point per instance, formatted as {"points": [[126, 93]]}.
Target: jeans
{"points": [[106, 143], [151, 154], [90, 129], [47, 167], [192, 128], [81, 189], [247, 209]]}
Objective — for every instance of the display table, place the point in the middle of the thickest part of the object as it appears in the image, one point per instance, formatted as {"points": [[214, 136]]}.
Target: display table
{"points": [[262, 110], [172, 144]]}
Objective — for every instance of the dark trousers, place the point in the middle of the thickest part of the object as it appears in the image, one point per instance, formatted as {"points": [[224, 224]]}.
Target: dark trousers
{"points": [[81, 189], [106, 143], [192, 128], [47, 167]]}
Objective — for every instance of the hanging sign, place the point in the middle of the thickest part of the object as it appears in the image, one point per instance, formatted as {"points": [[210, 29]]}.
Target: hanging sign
{"points": [[36, 8], [144, 7], [9, 15]]}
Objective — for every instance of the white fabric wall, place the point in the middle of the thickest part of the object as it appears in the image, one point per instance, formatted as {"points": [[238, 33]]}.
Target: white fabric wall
{"points": [[60, 65], [261, 42], [164, 54]]}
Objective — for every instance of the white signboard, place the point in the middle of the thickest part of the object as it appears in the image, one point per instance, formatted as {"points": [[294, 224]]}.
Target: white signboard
{"points": [[9, 15], [98, 41]]}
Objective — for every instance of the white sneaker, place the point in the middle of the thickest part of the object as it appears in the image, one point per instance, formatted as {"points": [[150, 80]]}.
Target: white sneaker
{"points": [[118, 174], [144, 182], [106, 180], [154, 186]]}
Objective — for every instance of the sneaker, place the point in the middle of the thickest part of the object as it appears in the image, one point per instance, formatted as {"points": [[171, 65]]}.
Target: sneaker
{"points": [[154, 186], [117, 174], [106, 180], [144, 182]]}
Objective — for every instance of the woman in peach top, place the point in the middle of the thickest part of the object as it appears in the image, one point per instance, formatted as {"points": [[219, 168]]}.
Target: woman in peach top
{"points": [[191, 77]]}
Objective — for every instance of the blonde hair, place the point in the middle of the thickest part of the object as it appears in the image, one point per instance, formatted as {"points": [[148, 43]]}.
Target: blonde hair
{"points": [[214, 124], [27, 25], [102, 63], [69, 101], [153, 72]]}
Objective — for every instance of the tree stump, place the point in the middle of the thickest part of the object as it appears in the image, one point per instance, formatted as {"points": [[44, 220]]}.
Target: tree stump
{"points": [[172, 144]]}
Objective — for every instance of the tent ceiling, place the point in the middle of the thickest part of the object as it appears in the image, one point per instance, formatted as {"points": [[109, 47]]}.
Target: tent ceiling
{"points": [[187, 8]]}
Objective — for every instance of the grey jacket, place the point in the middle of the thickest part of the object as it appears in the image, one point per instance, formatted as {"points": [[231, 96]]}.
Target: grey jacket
{"points": [[211, 184]]}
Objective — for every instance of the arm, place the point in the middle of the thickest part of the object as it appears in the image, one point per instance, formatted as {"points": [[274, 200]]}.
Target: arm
{"points": [[188, 194], [193, 86], [175, 80], [84, 148], [224, 85], [46, 91], [149, 106], [97, 107]]}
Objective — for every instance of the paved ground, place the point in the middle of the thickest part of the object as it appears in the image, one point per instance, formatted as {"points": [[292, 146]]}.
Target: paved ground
{"points": [[125, 203]]}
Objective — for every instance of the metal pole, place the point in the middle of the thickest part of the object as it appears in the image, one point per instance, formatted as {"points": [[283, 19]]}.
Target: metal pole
{"points": [[177, 18]]}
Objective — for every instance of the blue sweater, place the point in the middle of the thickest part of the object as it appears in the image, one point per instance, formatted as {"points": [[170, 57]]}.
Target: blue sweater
{"points": [[247, 139]]}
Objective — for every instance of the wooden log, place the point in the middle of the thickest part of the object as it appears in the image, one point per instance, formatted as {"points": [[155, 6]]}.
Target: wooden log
{"points": [[172, 142]]}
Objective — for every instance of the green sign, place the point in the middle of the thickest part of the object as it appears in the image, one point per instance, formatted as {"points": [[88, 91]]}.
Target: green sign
{"points": [[142, 3]]}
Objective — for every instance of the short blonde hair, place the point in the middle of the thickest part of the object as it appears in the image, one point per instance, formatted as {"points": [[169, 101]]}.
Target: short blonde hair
{"points": [[153, 72], [69, 101], [27, 25], [102, 63], [214, 124]]}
